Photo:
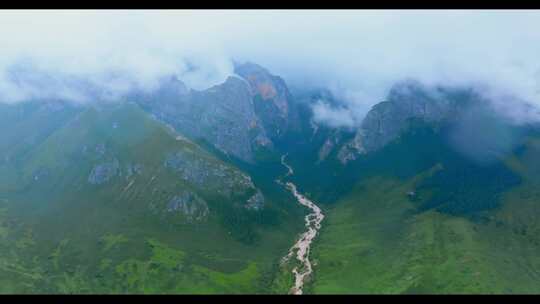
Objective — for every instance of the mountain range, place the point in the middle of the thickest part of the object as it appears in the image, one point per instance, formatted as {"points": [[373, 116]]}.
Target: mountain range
{"points": [[174, 191]]}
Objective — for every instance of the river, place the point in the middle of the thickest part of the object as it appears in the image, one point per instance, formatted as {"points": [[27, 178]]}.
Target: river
{"points": [[302, 247]]}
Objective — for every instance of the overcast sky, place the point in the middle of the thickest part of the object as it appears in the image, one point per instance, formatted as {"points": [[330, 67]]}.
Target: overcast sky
{"points": [[357, 54]]}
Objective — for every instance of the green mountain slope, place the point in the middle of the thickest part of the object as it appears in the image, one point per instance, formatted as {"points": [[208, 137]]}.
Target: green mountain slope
{"points": [[108, 200], [440, 224]]}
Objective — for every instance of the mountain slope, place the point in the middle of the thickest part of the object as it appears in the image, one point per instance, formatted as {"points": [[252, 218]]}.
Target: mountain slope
{"points": [[272, 101], [424, 217], [222, 116], [103, 204], [175, 191]]}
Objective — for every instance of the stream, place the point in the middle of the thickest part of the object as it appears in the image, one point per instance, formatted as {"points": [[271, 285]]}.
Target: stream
{"points": [[303, 245]]}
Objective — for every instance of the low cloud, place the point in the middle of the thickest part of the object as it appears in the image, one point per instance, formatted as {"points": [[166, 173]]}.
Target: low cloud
{"points": [[358, 55], [332, 116]]}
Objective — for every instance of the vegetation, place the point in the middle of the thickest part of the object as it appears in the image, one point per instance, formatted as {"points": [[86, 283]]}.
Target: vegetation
{"points": [[62, 234], [467, 229], [417, 216]]}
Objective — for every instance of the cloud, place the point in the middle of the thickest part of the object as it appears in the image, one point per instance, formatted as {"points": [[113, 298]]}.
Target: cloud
{"points": [[332, 116], [357, 54], [66, 54]]}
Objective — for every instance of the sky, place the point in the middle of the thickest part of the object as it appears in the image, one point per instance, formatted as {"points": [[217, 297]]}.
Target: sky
{"points": [[358, 55]]}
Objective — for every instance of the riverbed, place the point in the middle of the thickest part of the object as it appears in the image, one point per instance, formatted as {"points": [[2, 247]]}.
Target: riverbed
{"points": [[301, 248]]}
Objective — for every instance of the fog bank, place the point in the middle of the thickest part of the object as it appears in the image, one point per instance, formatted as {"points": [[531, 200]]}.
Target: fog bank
{"points": [[358, 55]]}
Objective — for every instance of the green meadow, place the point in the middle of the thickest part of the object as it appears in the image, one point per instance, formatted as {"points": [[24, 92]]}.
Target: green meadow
{"points": [[377, 239]]}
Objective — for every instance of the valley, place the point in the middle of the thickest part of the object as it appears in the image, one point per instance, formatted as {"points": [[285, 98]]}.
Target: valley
{"points": [[222, 191], [302, 247], [269, 152]]}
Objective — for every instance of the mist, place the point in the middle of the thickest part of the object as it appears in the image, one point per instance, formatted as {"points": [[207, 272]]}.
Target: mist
{"points": [[358, 55]]}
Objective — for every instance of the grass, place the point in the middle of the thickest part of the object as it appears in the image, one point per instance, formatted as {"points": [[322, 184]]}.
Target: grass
{"points": [[376, 241], [112, 240], [61, 234]]}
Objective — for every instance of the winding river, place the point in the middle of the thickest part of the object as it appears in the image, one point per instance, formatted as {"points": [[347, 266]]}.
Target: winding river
{"points": [[302, 246]]}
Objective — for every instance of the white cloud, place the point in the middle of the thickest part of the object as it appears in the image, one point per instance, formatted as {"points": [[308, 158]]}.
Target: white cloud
{"points": [[359, 54], [333, 117]]}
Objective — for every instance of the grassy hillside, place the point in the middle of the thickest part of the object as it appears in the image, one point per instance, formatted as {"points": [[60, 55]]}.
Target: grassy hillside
{"points": [[89, 208], [452, 236]]}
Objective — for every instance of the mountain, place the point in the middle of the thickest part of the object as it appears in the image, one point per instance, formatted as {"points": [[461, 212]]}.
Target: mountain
{"points": [[425, 218], [406, 100], [436, 195], [181, 191], [272, 100], [222, 116], [438, 199], [242, 117], [93, 202]]}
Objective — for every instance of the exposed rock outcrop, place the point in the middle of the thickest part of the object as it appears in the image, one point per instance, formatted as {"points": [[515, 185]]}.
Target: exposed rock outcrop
{"points": [[102, 173], [352, 148], [256, 202], [271, 99], [212, 176], [222, 115], [133, 169], [330, 144], [385, 121], [247, 112], [189, 204]]}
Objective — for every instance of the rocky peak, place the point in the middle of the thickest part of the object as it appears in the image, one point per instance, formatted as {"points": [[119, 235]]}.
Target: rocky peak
{"points": [[385, 121], [247, 112], [272, 99], [259, 78], [268, 86], [222, 115], [231, 85]]}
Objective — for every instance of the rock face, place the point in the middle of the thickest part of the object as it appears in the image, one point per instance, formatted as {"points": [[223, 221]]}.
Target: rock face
{"points": [[385, 121], [352, 149], [229, 119], [102, 173], [326, 148], [246, 113], [329, 145], [222, 115], [215, 177], [189, 204], [271, 99], [256, 202], [133, 169]]}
